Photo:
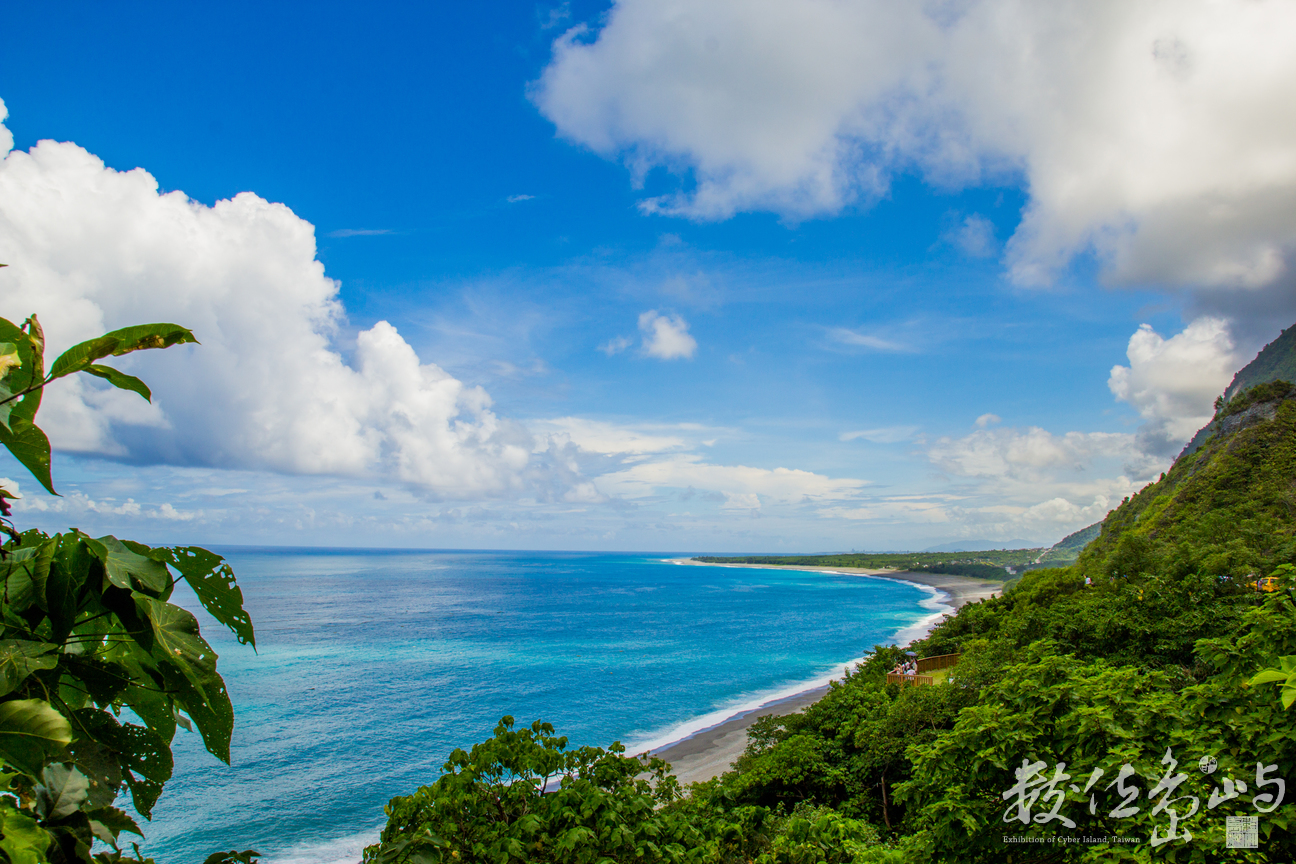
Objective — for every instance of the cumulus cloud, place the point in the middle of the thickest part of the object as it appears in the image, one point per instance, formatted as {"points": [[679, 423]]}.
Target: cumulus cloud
{"points": [[988, 420], [1013, 483], [92, 249], [1149, 133], [741, 501], [1027, 455], [666, 337], [1173, 382]]}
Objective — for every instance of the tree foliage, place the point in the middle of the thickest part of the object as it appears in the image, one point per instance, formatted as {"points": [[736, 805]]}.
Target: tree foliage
{"points": [[97, 667]]}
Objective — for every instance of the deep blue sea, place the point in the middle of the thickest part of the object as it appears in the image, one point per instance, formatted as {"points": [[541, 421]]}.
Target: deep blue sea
{"points": [[372, 665]]}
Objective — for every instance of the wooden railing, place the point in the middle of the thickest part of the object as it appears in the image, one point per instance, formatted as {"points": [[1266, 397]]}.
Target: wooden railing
{"points": [[940, 661], [893, 678]]}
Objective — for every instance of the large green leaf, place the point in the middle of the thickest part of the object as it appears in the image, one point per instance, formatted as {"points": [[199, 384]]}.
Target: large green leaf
{"points": [[30, 733], [213, 581], [118, 342], [109, 822], [103, 680], [29, 446], [24, 572], [120, 380], [70, 569], [122, 563], [19, 658], [198, 689], [23, 841], [62, 790]]}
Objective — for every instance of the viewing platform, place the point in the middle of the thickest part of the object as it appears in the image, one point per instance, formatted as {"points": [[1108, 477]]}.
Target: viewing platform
{"points": [[930, 670]]}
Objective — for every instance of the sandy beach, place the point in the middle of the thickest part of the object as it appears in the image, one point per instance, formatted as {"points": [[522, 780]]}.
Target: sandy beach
{"points": [[711, 751]]}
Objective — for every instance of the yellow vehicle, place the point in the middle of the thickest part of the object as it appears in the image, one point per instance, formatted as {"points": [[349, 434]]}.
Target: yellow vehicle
{"points": [[1268, 583]]}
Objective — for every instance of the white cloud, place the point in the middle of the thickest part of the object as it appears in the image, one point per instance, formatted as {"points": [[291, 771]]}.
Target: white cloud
{"points": [[886, 435], [1173, 382], [1151, 133], [743, 501], [863, 340], [616, 345], [92, 249], [1027, 455], [975, 236], [988, 420], [514, 199], [360, 232], [684, 470], [594, 436], [666, 338], [78, 504]]}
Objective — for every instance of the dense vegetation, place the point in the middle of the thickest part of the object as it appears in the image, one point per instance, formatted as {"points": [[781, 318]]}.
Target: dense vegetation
{"points": [[1092, 690], [97, 668]]}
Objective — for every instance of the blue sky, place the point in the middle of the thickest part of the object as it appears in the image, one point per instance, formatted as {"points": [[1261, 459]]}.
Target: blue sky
{"points": [[712, 276]]}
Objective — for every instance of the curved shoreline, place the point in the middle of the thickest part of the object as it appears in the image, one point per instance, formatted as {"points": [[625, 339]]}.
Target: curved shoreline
{"points": [[709, 752]]}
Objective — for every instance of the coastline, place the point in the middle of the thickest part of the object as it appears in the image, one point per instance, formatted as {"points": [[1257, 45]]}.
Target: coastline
{"points": [[710, 751]]}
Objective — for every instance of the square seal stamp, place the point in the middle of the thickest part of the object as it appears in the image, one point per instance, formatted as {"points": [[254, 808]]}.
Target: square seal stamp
{"points": [[1242, 832]]}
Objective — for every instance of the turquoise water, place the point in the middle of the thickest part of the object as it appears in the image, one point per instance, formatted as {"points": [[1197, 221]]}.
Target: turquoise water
{"points": [[374, 665]]}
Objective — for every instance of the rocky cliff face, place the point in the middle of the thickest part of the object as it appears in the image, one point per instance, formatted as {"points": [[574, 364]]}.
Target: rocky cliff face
{"points": [[1276, 362]]}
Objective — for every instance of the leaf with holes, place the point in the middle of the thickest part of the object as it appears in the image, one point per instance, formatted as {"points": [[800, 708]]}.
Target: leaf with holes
{"points": [[197, 687], [144, 758], [101, 766], [213, 581]]}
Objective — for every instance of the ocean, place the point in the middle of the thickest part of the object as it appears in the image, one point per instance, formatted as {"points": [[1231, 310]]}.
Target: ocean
{"points": [[372, 665]]}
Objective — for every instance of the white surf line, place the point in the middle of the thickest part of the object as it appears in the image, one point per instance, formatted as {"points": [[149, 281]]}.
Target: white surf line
{"points": [[937, 602]]}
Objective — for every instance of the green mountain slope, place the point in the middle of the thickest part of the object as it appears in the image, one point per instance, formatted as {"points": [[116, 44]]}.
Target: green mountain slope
{"points": [[1068, 548], [1227, 509], [1275, 362]]}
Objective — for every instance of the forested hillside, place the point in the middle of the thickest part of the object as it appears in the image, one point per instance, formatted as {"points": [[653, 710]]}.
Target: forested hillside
{"points": [[1071, 729]]}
